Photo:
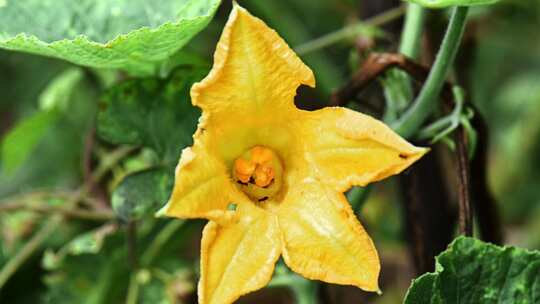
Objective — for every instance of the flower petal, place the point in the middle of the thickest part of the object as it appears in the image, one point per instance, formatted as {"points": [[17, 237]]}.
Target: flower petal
{"points": [[323, 240], [349, 148], [254, 70], [238, 258], [202, 188]]}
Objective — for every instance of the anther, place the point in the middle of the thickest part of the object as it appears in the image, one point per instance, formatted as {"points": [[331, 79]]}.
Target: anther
{"points": [[258, 171]]}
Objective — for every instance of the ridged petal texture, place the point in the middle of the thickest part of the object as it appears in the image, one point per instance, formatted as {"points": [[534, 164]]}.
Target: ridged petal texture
{"points": [[248, 100], [239, 257]]}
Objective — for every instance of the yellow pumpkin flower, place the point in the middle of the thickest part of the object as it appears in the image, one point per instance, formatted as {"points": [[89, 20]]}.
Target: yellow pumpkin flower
{"points": [[270, 177]]}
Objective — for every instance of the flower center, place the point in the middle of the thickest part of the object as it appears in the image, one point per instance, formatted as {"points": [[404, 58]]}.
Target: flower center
{"points": [[258, 172]]}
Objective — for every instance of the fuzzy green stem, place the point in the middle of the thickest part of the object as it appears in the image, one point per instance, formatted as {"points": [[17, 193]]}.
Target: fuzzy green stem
{"points": [[397, 84], [306, 293], [133, 290], [426, 101], [412, 30], [161, 239], [35, 242], [79, 213], [348, 31]]}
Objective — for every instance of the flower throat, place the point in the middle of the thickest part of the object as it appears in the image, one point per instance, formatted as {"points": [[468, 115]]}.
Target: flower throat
{"points": [[258, 173]]}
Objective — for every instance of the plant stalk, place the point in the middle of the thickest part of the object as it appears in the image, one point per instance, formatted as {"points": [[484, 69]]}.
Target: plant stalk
{"points": [[426, 101], [161, 239], [412, 30], [348, 31]]}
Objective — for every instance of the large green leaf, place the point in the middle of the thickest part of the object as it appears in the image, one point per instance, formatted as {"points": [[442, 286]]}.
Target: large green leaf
{"points": [[151, 112], [130, 34], [471, 271], [447, 3]]}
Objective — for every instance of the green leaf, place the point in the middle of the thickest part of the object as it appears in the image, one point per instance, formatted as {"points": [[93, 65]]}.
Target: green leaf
{"points": [[151, 112], [20, 142], [447, 3], [471, 271], [57, 94], [90, 242], [142, 193], [134, 35]]}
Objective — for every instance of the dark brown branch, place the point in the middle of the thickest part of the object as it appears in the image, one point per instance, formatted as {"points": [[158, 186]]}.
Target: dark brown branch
{"points": [[89, 142], [486, 210], [131, 236], [465, 213], [429, 217]]}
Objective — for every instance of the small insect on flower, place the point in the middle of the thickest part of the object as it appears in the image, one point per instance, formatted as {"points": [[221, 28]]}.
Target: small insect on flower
{"points": [[270, 177]]}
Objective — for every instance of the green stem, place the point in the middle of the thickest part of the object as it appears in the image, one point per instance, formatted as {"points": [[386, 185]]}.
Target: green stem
{"points": [[133, 290], [35, 242], [427, 99], [306, 293], [397, 84], [412, 30], [348, 31], [161, 239], [357, 196], [79, 213], [433, 129]]}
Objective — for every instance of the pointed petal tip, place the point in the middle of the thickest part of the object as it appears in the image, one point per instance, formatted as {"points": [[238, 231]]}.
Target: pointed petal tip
{"points": [[421, 151], [370, 286], [163, 211], [308, 77]]}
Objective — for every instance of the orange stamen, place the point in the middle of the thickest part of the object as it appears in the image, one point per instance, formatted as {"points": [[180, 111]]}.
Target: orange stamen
{"points": [[264, 175], [244, 169], [258, 167], [261, 155]]}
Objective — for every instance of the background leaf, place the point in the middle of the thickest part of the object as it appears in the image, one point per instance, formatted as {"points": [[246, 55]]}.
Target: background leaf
{"points": [[19, 143], [471, 271], [90, 242], [151, 112], [127, 34], [58, 92], [142, 193]]}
